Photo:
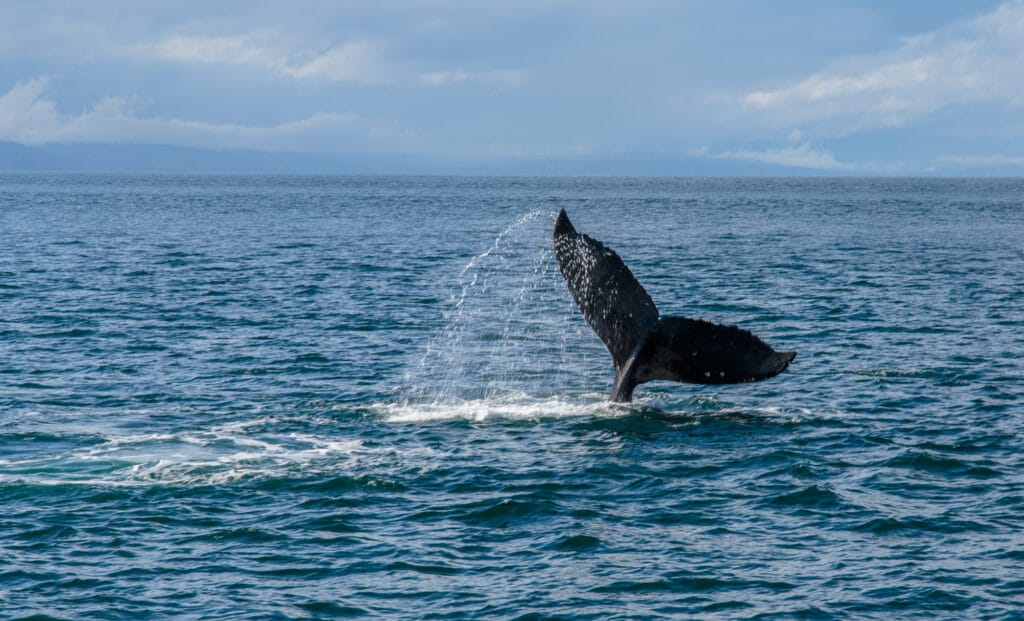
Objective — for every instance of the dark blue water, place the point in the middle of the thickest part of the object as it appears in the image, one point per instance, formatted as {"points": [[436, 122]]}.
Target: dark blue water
{"points": [[259, 397]]}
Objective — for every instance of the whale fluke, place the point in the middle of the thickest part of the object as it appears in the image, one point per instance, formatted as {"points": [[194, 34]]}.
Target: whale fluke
{"points": [[611, 299], [647, 347]]}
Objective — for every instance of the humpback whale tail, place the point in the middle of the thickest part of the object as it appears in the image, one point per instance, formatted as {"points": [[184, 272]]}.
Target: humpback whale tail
{"points": [[647, 347]]}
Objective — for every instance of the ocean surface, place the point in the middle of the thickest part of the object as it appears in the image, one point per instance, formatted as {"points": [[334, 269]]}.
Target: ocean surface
{"points": [[291, 397]]}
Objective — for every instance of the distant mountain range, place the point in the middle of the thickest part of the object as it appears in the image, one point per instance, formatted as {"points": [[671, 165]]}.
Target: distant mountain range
{"points": [[159, 158]]}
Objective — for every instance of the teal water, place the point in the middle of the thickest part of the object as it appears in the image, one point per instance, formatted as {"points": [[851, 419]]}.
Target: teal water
{"points": [[259, 397]]}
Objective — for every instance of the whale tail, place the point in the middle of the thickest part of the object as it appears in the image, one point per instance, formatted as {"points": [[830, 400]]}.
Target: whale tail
{"points": [[643, 346]]}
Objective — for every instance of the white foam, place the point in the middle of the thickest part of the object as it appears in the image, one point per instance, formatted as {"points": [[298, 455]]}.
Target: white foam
{"points": [[268, 447], [217, 454], [516, 407]]}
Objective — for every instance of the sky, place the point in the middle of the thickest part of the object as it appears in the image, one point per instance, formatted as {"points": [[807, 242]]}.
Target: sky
{"points": [[844, 87]]}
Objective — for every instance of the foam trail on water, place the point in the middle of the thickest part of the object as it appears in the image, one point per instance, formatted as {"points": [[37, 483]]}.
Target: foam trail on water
{"points": [[508, 407], [241, 450]]}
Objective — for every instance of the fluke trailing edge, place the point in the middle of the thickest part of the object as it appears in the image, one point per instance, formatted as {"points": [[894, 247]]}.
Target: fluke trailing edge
{"points": [[647, 347]]}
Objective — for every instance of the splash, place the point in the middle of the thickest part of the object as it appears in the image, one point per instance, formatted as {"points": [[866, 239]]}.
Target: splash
{"points": [[510, 330]]}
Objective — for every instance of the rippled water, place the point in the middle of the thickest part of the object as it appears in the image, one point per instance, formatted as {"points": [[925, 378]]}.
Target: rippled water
{"points": [[313, 397]]}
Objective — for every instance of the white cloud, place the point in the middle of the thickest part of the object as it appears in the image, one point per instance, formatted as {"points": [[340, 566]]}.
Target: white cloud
{"points": [[982, 161], [353, 61], [252, 49], [28, 117], [25, 116], [288, 47], [361, 61], [803, 156], [978, 60], [502, 78]]}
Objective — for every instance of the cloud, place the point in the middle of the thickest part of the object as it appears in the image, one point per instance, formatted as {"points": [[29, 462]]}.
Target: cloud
{"points": [[353, 61], [25, 116], [502, 78], [802, 156], [251, 49], [977, 60], [982, 161], [384, 44], [360, 61], [28, 117]]}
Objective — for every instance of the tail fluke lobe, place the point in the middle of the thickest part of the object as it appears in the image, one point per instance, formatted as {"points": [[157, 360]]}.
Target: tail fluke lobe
{"points": [[608, 294], [700, 352]]}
